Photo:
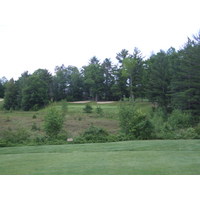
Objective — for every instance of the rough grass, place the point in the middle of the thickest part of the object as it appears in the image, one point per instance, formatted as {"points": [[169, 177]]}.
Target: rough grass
{"points": [[133, 157], [76, 121]]}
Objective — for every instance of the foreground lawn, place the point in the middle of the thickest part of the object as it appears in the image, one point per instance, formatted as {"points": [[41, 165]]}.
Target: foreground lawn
{"points": [[132, 157]]}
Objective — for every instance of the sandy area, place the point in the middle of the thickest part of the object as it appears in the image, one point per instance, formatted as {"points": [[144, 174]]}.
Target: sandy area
{"points": [[100, 102], [80, 102], [105, 102]]}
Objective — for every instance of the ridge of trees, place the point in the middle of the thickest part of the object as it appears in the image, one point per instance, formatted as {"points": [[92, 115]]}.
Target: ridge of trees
{"points": [[169, 79]]}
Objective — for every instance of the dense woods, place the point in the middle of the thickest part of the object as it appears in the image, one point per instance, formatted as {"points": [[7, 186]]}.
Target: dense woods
{"points": [[169, 79]]}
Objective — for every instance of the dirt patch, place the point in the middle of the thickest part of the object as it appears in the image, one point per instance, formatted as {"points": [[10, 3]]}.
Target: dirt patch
{"points": [[80, 102], [99, 102], [105, 102]]}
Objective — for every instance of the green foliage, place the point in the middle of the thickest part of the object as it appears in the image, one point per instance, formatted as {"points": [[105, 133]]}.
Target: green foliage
{"points": [[159, 79], [186, 85], [197, 130], [99, 110], [18, 136], [10, 99], [179, 119], [92, 135], [34, 94], [88, 108], [34, 116], [53, 122], [34, 127], [134, 122], [176, 126]]}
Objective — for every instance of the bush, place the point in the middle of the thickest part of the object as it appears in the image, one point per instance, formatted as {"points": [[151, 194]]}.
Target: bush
{"points": [[99, 111], [135, 123], [34, 116], [197, 130], [95, 134], [188, 133], [53, 122], [178, 119], [92, 134], [19, 136], [34, 127], [88, 108]]}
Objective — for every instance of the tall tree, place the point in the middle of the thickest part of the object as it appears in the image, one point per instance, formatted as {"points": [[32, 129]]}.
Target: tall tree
{"points": [[108, 78], [10, 98], [34, 94], [133, 70], [60, 83], [3, 81], [93, 79], [74, 83], [120, 86], [159, 80], [186, 84]]}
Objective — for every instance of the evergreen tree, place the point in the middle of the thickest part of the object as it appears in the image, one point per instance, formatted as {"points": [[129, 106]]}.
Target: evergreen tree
{"points": [[186, 84], [108, 78], [159, 80]]}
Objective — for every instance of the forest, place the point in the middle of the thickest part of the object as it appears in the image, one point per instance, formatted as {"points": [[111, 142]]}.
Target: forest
{"points": [[169, 79]]}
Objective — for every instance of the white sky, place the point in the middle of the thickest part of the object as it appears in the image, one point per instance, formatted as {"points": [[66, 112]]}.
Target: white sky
{"points": [[46, 33]]}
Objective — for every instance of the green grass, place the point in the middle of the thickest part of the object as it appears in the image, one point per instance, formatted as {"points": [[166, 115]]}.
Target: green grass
{"points": [[132, 157]]}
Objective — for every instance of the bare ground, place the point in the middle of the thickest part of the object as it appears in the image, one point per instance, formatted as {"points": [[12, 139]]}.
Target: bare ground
{"points": [[99, 102]]}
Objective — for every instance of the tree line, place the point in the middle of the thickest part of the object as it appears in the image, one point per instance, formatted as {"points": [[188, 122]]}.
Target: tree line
{"points": [[169, 79]]}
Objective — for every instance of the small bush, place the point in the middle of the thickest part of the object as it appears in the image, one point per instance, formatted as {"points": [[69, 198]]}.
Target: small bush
{"points": [[135, 123], [99, 111], [34, 127], [19, 136], [178, 119], [53, 122], [88, 108], [92, 135], [34, 116]]}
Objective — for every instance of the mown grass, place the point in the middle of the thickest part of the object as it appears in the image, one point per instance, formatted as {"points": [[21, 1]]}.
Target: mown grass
{"points": [[132, 157]]}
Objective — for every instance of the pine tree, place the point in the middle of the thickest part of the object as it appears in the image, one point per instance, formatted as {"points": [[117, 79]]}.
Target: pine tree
{"points": [[186, 84]]}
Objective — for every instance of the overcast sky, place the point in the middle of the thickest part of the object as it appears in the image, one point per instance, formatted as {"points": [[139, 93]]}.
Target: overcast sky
{"points": [[47, 33]]}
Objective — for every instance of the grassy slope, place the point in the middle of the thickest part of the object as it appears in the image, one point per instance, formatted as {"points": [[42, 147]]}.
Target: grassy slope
{"points": [[133, 157]]}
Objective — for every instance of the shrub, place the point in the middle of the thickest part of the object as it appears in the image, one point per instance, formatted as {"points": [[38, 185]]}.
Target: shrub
{"points": [[92, 134], [99, 110], [187, 133], [197, 130], [34, 127], [135, 123], [178, 119], [88, 108], [19, 136], [34, 116], [53, 122]]}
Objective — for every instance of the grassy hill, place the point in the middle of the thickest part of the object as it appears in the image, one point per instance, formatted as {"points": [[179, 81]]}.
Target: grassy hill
{"points": [[132, 157]]}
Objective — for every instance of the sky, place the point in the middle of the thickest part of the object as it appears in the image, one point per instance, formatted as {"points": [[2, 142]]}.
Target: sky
{"points": [[47, 33]]}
